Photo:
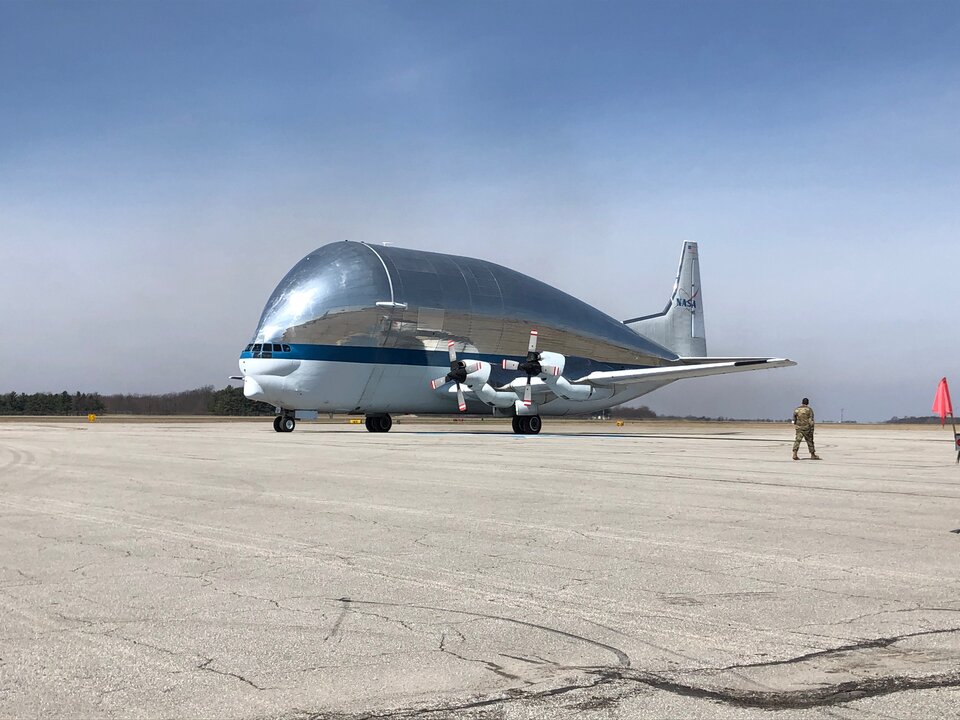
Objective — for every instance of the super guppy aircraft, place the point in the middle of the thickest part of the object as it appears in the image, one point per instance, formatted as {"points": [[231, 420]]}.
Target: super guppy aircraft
{"points": [[374, 330]]}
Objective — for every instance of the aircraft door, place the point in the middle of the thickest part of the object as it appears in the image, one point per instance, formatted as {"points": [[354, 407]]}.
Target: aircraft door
{"points": [[388, 334], [370, 391]]}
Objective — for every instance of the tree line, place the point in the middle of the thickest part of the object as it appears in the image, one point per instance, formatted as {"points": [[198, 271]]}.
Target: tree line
{"points": [[201, 401], [915, 420], [230, 401], [50, 403]]}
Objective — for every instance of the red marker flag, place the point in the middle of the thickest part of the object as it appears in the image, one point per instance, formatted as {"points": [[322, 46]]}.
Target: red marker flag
{"points": [[941, 402]]}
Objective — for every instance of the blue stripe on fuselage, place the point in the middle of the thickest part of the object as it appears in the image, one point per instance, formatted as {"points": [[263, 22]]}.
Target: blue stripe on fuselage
{"points": [[409, 356]]}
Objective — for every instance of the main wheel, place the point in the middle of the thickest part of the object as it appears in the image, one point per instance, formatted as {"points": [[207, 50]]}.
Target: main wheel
{"points": [[516, 424], [534, 423], [276, 423], [287, 424], [378, 423]]}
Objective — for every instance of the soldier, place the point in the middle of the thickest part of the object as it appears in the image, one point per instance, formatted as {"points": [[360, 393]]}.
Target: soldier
{"points": [[803, 419]]}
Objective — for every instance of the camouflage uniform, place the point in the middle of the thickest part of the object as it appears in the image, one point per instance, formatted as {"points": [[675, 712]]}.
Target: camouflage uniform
{"points": [[803, 419]]}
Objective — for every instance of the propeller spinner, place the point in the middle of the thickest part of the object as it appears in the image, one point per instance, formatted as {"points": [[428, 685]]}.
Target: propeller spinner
{"points": [[533, 365], [459, 369]]}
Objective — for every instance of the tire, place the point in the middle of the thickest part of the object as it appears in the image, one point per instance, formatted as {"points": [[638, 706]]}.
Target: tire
{"points": [[287, 424], [276, 423], [516, 425], [378, 423], [534, 423]]}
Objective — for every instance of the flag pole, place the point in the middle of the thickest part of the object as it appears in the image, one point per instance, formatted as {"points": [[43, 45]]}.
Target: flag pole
{"points": [[956, 440], [943, 407]]}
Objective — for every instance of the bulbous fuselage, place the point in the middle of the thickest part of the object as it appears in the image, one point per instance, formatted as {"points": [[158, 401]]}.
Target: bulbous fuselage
{"points": [[361, 328]]}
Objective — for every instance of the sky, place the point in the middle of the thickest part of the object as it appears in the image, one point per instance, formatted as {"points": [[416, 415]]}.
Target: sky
{"points": [[163, 164]]}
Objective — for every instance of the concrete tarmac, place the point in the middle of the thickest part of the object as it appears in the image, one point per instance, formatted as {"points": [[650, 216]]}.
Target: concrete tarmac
{"points": [[222, 570]]}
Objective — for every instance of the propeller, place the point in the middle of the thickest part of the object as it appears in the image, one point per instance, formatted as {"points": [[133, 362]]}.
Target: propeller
{"points": [[459, 369], [536, 363]]}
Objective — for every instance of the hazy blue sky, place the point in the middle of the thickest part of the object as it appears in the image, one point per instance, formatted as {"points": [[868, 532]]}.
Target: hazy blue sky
{"points": [[162, 165]]}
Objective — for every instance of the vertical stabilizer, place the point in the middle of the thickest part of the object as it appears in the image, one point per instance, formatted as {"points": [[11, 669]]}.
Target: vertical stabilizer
{"points": [[680, 326]]}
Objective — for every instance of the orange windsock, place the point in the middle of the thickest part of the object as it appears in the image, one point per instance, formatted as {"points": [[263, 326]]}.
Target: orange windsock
{"points": [[941, 402]]}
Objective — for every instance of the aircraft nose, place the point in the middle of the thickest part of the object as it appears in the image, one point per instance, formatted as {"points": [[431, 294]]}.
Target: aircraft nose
{"points": [[252, 389]]}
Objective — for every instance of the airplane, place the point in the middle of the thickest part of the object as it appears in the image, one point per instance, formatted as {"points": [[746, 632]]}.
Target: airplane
{"points": [[379, 330]]}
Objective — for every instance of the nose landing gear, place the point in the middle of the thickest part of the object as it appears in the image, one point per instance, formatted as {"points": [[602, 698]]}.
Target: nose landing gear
{"points": [[284, 423]]}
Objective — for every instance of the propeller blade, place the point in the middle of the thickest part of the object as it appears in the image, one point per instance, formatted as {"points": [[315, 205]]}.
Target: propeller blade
{"points": [[550, 370], [460, 400], [434, 384], [511, 365], [451, 351], [472, 367], [528, 394], [532, 347]]}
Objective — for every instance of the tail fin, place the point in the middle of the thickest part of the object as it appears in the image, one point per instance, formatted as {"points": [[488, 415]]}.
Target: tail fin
{"points": [[680, 326]]}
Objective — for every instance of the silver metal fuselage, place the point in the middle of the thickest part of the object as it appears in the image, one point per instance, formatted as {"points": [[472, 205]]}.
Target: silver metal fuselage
{"points": [[363, 329]]}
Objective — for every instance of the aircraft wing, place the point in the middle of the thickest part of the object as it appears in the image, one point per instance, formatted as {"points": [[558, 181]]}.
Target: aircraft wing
{"points": [[698, 368]]}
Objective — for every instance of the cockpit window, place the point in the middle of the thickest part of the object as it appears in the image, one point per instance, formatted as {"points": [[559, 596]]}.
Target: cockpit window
{"points": [[266, 350]]}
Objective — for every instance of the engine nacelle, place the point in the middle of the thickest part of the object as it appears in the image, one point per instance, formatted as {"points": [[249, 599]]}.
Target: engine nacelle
{"points": [[552, 375], [477, 374], [562, 388]]}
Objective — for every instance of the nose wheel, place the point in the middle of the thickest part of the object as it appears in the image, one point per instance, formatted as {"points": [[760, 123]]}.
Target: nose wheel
{"points": [[527, 424], [284, 423]]}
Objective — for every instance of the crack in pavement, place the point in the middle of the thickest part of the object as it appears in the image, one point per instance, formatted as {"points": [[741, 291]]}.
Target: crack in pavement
{"points": [[336, 624], [491, 666], [510, 695], [205, 665], [140, 643], [622, 658], [824, 696], [631, 679], [863, 645]]}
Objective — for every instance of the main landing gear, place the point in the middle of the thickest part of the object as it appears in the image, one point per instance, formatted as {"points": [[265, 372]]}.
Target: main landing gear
{"points": [[284, 423], [527, 424], [378, 423]]}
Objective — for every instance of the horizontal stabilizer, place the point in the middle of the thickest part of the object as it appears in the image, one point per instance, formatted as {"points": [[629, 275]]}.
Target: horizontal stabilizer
{"points": [[714, 360], [618, 377]]}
